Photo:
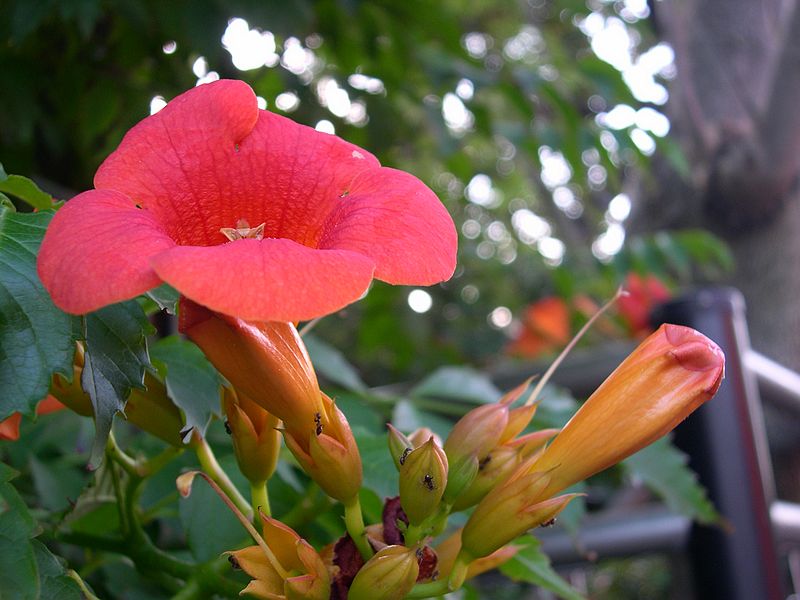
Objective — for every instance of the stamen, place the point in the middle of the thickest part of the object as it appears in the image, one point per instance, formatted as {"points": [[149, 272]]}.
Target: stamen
{"points": [[243, 231]]}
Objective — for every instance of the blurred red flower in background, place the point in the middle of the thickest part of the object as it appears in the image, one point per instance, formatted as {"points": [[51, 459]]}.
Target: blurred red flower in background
{"points": [[643, 294], [9, 428], [545, 328], [244, 212]]}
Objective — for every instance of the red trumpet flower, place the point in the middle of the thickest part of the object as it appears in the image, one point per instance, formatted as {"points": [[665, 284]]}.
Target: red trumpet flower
{"points": [[244, 212]]}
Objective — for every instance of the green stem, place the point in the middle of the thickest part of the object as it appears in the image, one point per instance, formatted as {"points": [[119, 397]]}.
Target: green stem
{"points": [[209, 464], [443, 586], [413, 534], [124, 460], [72, 574], [259, 500], [354, 522]]}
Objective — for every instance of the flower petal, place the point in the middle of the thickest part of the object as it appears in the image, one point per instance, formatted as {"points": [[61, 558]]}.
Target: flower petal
{"points": [[173, 163], [97, 250], [398, 222], [210, 158], [266, 280]]}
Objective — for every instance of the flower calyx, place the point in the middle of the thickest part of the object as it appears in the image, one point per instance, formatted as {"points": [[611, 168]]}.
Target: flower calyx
{"points": [[300, 573]]}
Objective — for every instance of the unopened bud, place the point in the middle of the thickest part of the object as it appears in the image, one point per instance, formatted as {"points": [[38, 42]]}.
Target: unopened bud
{"points": [[477, 432], [266, 361], [670, 374], [423, 477], [399, 446], [329, 455], [389, 575], [470, 441], [256, 439], [151, 410], [508, 512], [422, 435], [448, 550]]}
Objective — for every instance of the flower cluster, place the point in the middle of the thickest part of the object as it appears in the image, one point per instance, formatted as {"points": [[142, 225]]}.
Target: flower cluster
{"points": [[259, 223]]}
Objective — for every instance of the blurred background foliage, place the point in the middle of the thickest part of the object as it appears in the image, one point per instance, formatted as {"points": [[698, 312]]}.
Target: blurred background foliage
{"points": [[534, 121]]}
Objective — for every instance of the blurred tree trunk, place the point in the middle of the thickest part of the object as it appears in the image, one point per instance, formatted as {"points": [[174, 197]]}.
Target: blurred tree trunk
{"points": [[735, 110]]}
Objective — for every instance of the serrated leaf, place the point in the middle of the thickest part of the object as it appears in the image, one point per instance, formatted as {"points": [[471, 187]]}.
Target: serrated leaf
{"points": [[533, 566], [26, 190], [54, 584], [458, 383], [114, 362], [331, 364], [36, 338], [663, 468], [165, 296], [192, 381]]}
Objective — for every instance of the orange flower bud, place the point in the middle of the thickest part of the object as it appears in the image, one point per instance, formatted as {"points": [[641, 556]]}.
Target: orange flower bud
{"points": [[152, 411], [449, 548], [472, 438], [389, 575], [499, 464], [328, 453], [70, 393], [266, 361], [149, 409], [299, 575], [509, 511], [518, 420], [422, 435], [256, 439], [477, 432], [670, 374], [423, 477]]}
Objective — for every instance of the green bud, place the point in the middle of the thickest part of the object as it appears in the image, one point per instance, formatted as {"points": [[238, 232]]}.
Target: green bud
{"points": [[423, 478], [389, 575], [460, 477], [399, 446]]}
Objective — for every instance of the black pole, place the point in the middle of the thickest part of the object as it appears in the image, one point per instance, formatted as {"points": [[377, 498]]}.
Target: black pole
{"points": [[727, 446]]}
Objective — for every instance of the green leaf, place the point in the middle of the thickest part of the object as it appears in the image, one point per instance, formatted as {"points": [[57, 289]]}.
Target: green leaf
{"points": [[332, 365], [192, 382], [533, 566], [457, 383], [36, 338], [210, 527], [5, 202], [663, 468], [380, 474], [165, 296], [54, 584], [407, 417], [115, 361], [17, 527], [360, 414], [26, 190]]}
